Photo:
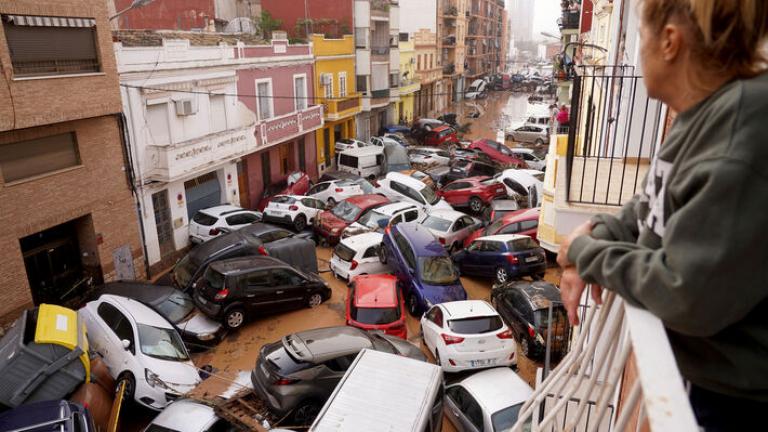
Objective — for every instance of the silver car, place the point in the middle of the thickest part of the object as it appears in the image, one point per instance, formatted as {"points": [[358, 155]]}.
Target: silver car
{"points": [[529, 134]]}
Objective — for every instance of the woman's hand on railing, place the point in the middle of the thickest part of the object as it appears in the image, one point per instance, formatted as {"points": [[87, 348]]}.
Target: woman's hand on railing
{"points": [[562, 253]]}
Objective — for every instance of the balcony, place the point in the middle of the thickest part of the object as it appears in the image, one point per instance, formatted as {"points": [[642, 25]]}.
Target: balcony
{"points": [[619, 375], [289, 126], [380, 98], [449, 42], [569, 20], [335, 109], [380, 10], [408, 86], [380, 53], [449, 69]]}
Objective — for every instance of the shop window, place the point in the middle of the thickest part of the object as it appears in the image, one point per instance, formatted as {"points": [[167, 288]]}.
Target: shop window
{"points": [[25, 159]]}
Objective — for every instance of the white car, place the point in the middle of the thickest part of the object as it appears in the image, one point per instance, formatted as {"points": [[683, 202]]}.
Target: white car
{"points": [[451, 227], [381, 217], [529, 133], [357, 255], [429, 156], [186, 415], [401, 187], [523, 182], [530, 158], [397, 138], [386, 139], [467, 334], [486, 401], [209, 223], [335, 191], [348, 144], [296, 210], [140, 348]]}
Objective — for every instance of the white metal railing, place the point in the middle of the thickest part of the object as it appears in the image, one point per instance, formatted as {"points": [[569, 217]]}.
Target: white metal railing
{"points": [[584, 391]]}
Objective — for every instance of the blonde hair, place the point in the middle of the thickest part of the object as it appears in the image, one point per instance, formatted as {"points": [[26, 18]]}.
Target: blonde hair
{"points": [[727, 36]]}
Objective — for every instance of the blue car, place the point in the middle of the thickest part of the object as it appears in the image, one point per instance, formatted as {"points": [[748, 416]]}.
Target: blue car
{"points": [[394, 128], [48, 416], [422, 266], [504, 257]]}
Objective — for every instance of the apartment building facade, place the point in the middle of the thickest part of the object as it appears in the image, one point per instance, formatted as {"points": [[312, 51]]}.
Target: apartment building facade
{"points": [[452, 32], [483, 38], [66, 202], [409, 82]]}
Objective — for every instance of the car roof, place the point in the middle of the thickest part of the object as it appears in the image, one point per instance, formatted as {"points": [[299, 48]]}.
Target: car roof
{"points": [[421, 239], [474, 179], [520, 215], [140, 313], [468, 309], [221, 210], [363, 151], [521, 150], [503, 237], [440, 128], [406, 180], [185, 415], [243, 264], [363, 241], [446, 214], [376, 291], [540, 293], [504, 204], [367, 200], [322, 344], [392, 208], [497, 388], [141, 291]]}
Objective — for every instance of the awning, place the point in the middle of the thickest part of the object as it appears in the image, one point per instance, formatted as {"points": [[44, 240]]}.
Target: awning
{"points": [[49, 21]]}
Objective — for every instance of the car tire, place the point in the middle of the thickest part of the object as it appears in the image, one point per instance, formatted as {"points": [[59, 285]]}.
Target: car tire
{"points": [[525, 347], [413, 306], [331, 202], [300, 223], [538, 276], [234, 318], [502, 276], [382, 253], [305, 412], [539, 141], [314, 300], [130, 385], [476, 205]]}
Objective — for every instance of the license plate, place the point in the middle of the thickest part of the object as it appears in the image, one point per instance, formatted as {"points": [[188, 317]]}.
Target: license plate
{"points": [[500, 190], [531, 259], [202, 300], [277, 213], [480, 363]]}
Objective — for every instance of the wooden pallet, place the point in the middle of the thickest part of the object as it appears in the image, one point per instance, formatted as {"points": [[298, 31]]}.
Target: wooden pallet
{"points": [[246, 410]]}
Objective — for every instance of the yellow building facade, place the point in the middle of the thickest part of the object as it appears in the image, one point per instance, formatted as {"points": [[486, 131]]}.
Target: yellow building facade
{"points": [[335, 90], [409, 84]]}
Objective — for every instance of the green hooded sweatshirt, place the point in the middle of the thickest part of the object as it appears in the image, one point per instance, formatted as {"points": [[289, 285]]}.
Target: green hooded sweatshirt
{"points": [[692, 247]]}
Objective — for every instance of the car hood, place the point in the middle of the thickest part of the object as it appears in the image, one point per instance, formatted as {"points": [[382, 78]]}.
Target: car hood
{"points": [[443, 293], [329, 220], [181, 376], [405, 348], [358, 228], [197, 323], [442, 204]]}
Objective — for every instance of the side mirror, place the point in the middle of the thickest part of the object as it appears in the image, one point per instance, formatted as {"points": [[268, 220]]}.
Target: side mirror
{"points": [[126, 344]]}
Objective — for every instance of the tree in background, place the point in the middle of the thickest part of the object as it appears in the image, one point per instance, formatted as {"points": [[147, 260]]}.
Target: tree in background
{"points": [[267, 24]]}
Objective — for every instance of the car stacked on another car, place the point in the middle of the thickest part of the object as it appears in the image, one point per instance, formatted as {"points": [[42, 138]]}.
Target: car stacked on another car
{"points": [[211, 222], [295, 210], [463, 168], [331, 223], [420, 176], [503, 256], [374, 303], [400, 187], [423, 157], [379, 218], [473, 192], [296, 183], [499, 152], [237, 289], [297, 374], [348, 144], [523, 222], [425, 271], [450, 227], [357, 255], [466, 335], [333, 191]]}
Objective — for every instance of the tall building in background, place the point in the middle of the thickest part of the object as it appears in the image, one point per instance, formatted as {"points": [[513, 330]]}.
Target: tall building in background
{"points": [[483, 39], [419, 19], [452, 31], [521, 19]]}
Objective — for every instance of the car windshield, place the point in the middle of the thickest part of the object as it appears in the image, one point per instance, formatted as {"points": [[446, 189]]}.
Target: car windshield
{"points": [[161, 343], [364, 185], [346, 211], [437, 224], [506, 418], [522, 244], [475, 325], [184, 270], [494, 227], [374, 315], [430, 195], [374, 219], [438, 271], [344, 252], [177, 306], [541, 317], [283, 199]]}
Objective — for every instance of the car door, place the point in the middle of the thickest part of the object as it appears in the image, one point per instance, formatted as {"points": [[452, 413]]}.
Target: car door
{"points": [[470, 257], [488, 258], [431, 326], [115, 328], [457, 193], [320, 191], [312, 207], [290, 288], [258, 291], [332, 371], [463, 410], [513, 304], [467, 225], [369, 261]]}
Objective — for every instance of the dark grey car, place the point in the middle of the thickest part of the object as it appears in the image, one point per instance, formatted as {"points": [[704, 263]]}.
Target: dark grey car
{"points": [[298, 374]]}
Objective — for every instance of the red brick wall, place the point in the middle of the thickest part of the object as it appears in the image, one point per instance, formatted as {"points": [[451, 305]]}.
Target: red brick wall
{"points": [[319, 10], [167, 14]]}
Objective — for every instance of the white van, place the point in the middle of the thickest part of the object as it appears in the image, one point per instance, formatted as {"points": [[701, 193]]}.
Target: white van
{"points": [[365, 162], [385, 392]]}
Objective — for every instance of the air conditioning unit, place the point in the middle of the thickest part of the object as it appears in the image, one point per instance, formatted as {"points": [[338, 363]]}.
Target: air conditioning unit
{"points": [[326, 79], [185, 107]]}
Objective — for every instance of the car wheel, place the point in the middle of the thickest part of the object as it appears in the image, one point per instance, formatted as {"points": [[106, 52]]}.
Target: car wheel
{"points": [[300, 223], [331, 202], [314, 300], [501, 275], [234, 318], [525, 347], [130, 385], [538, 276], [539, 141], [475, 204], [413, 306], [305, 413], [382, 254]]}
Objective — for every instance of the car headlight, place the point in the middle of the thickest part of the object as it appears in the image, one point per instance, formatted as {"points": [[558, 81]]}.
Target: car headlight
{"points": [[154, 380], [206, 336]]}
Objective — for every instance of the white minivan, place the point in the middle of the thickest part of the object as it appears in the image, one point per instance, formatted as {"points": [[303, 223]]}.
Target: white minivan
{"points": [[385, 391], [365, 162]]}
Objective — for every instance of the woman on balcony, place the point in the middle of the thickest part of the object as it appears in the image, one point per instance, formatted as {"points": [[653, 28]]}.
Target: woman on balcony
{"points": [[691, 247]]}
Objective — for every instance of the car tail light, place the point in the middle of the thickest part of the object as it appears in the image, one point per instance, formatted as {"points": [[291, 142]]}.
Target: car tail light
{"points": [[222, 294], [453, 363], [387, 229], [339, 190], [214, 231], [354, 265], [263, 251], [512, 259], [285, 381], [450, 340], [506, 334], [293, 208], [531, 331], [441, 240]]}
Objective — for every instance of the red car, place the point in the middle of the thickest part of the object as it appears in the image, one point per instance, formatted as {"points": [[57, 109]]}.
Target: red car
{"points": [[440, 136], [499, 152], [524, 222], [330, 223], [296, 183], [475, 192], [374, 303]]}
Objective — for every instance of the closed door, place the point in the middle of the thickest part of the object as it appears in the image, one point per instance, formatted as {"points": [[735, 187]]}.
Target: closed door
{"points": [[258, 291], [162, 213], [290, 289]]}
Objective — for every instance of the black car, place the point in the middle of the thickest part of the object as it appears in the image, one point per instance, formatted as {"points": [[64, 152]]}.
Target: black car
{"points": [[236, 289], [255, 239], [463, 168], [196, 329], [525, 308]]}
